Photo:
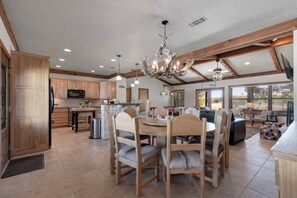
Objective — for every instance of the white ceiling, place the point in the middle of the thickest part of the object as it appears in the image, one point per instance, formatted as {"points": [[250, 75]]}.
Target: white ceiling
{"points": [[97, 30]]}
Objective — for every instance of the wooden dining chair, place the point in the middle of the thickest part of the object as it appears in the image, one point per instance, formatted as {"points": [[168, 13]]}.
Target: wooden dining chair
{"points": [[133, 154], [191, 110], [133, 113], [160, 111], [184, 158], [215, 149], [227, 127]]}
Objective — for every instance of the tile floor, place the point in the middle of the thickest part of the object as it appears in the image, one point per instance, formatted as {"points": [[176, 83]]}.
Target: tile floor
{"points": [[79, 167]]}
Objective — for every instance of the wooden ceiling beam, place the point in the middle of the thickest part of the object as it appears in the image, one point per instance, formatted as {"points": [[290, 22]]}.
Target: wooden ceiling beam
{"points": [[8, 27], [132, 74], [164, 81], [74, 73], [269, 33], [229, 68], [198, 73], [275, 59], [180, 80]]}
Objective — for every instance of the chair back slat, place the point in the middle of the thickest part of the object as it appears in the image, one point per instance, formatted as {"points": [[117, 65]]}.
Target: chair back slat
{"points": [[191, 110], [187, 124], [124, 122], [131, 111], [159, 111], [126, 141], [185, 147]]}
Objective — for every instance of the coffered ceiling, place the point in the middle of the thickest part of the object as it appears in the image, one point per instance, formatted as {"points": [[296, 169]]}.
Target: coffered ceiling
{"points": [[97, 30]]}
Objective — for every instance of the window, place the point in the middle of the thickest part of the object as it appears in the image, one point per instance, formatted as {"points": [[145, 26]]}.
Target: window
{"points": [[213, 98], [179, 98], [239, 97], [264, 97]]}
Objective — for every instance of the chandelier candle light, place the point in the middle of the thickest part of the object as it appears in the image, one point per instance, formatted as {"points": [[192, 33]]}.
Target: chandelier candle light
{"points": [[217, 73], [167, 67], [136, 82], [132, 82], [119, 77]]}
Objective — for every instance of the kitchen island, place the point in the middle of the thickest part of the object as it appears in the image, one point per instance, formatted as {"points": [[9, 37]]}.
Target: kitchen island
{"points": [[76, 112], [111, 110]]}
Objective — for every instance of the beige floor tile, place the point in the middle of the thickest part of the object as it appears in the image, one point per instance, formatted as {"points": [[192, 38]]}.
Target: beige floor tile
{"points": [[263, 186], [238, 177], [266, 173], [245, 167], [248, 193], [270, 164]]}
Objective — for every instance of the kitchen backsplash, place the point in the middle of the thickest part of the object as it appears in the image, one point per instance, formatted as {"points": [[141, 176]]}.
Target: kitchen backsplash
{"points": [[75, 102]]}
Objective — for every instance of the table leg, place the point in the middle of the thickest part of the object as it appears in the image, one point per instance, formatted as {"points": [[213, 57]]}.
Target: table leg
{"points": [[76, 122], [72, 126]]}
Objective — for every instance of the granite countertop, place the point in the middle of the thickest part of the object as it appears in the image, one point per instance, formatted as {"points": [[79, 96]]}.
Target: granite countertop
{"points": [[123, 104], [84, 109], [57, 107]]}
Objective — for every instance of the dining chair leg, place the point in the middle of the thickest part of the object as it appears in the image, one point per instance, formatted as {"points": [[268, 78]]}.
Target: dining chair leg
{"points": [[222, 165], [157, 168], [149, 141], [118, 171], [215, 172], [163, 172], [138, 181], [227, 156], [202, 184], [112, 163], [167, 183]]}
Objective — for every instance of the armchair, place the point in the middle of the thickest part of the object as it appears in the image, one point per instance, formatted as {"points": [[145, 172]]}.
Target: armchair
{"points": [[266, 116]]}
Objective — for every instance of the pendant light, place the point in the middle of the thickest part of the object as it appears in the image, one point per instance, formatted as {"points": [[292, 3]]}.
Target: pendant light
{"points": [[217, 72], [132, 83], [136, 80], [119, 77]]}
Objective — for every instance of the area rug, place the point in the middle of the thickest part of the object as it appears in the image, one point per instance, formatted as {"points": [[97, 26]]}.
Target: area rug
{"points": [[251, 130], [24, 165]]}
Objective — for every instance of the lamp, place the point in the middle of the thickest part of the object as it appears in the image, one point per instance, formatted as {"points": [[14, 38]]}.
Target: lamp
{"points": [[136, 80], [119, 77], [132, 83], [168, 67], [217, 73], [249, 106]]}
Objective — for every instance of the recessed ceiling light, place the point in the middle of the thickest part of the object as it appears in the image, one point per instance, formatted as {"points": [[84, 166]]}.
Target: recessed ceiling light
{"points": [[111, 67], [247, 63], [113, 60], [209, 70], [58, 66], [92, 70], [62, 59], [101, 66], [67, 50]]}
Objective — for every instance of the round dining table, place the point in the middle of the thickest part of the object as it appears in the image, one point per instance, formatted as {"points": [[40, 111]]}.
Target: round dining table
{"points": [[154, 126]]}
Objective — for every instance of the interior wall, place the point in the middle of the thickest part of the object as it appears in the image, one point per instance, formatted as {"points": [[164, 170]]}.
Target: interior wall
{"points": [[295, 76], [121, 89], [190, 89], [5, 37], [155, 87]]}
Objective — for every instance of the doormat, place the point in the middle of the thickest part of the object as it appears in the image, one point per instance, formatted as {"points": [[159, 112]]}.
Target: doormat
{"points": [[24, 165]]}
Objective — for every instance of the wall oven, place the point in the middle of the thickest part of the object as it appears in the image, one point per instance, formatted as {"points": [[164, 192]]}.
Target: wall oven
{"points": [[71, 93]]}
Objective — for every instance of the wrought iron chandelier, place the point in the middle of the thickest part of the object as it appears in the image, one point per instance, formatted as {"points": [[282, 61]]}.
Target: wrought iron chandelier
{"points": [[217, 73], [164, 63]]}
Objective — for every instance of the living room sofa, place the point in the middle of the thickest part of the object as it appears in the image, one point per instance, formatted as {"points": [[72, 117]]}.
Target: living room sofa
{"points": [[237, 129]]}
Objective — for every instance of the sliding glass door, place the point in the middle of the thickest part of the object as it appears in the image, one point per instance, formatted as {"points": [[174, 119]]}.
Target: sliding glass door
{"points": [[212, 98]]}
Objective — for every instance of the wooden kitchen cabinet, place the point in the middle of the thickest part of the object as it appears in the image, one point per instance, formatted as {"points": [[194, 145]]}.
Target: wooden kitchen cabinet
{"points": [[103, 90], [60, 87], [29, 103], [108, 90], [92, 90], [111, 89], [75, 84], [60, 117]]}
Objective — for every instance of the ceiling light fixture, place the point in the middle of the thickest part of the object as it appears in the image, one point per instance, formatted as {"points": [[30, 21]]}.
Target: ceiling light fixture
{"points": [[119, 77], [136, 80], [247, 63], [58, 66], [67, 50], [92, 71], [113, 60], [62, 59], [168, 66], [101, 66], [132, 82], [217, 72]]}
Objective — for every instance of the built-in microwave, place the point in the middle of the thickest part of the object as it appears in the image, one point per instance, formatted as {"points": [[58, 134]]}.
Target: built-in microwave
{"points": [[71, 93]]}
